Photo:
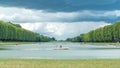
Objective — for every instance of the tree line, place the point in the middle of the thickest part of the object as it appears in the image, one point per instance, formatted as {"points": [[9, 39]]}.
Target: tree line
{"points": [[14, 32], [109, 33]]}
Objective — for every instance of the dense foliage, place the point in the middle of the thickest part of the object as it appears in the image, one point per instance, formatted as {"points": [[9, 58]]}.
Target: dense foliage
{"points": [[109, 33], [14, 32]]}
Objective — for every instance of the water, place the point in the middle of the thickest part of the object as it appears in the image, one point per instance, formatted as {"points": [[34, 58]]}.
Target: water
{"points": [[47, 51]]}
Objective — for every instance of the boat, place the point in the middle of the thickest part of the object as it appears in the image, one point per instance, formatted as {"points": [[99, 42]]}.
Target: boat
{"points": [[63, 48]]}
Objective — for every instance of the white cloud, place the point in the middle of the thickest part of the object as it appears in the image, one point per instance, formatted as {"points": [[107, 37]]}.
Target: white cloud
{"points": [[57, 29], [32, 26], [22, 15], [63, 30], [54, 24]]}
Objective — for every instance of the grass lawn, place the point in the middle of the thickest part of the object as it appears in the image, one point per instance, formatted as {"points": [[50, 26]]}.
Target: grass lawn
{"points": [[41, 63]]}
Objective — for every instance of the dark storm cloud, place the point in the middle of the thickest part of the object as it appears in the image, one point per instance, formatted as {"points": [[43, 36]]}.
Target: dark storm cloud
{"points": [[64, 5]]}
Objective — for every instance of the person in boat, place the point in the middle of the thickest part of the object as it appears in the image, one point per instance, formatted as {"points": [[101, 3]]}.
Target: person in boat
{"points": [[60, 46]]}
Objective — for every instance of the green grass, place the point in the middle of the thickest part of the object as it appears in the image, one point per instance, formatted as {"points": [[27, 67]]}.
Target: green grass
{"points": [[41, 63]]}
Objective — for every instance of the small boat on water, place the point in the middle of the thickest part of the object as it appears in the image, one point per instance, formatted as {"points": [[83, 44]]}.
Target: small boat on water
{"points": [[63, 48]]}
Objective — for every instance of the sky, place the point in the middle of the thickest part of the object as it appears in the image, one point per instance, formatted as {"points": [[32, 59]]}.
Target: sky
{"points": [[60, 18]]}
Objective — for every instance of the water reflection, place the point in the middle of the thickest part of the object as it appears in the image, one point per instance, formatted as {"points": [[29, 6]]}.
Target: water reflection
{"points": [[47, 51]]}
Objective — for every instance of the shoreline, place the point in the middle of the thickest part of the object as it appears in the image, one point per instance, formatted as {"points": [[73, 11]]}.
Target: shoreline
{"points": [[16, 43]]}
